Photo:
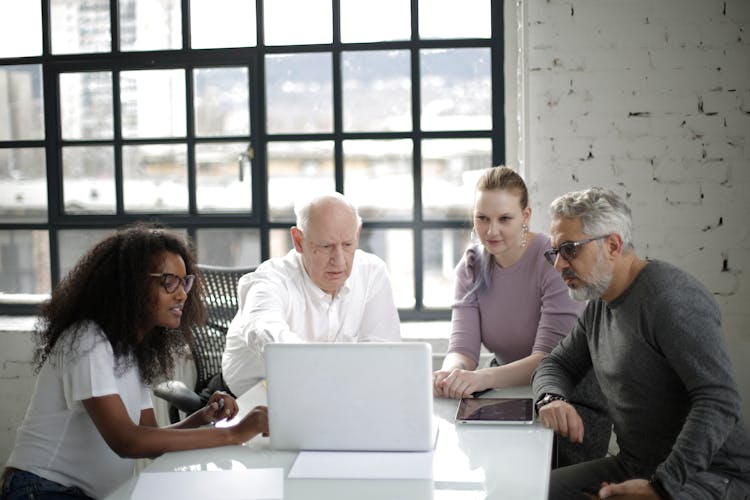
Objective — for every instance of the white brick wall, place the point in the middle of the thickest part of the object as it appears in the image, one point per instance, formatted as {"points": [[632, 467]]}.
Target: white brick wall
{"points": [[652, 99]]}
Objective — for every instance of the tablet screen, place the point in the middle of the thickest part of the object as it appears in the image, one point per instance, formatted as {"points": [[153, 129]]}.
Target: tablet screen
{"points": [[495, 410]]}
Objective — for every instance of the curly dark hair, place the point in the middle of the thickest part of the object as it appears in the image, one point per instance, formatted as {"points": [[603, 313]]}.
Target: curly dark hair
{"points": [[111, 286]]}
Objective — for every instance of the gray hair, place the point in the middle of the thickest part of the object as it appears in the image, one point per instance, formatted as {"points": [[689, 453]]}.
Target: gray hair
{"points": [[601, 212], [303, 207]]}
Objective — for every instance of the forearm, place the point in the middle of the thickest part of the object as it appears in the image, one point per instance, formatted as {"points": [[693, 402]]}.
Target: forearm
{"points": [[516, 373], [144, 441], [549, 376], [456, 360]]}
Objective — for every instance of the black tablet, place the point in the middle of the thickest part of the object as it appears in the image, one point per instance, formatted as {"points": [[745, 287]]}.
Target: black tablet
{"points": [[495, 411]]}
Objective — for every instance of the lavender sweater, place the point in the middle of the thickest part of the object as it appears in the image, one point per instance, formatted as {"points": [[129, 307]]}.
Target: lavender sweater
{"points": [[525, 309]]}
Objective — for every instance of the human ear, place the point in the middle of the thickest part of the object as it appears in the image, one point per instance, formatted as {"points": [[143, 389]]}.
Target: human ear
{"points": [[296, 238], [614, 244], [526, 215]]}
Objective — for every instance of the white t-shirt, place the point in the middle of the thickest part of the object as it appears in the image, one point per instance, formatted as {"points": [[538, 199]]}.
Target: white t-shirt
{"points": [[58, 440], [278, 302]]}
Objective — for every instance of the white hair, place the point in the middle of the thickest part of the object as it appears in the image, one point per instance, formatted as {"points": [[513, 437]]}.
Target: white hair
{"points": [[601, 212], [303, 207]]}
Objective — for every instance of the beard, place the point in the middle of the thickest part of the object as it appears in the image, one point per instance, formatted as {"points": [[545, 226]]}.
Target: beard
{"points": [[596, 284]]}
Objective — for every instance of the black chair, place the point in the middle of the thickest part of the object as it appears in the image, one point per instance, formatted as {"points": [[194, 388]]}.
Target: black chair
{"points": [[208, 342]]}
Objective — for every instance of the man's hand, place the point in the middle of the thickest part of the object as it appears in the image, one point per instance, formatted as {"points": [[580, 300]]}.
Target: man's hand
{"points": [[562, 418], [639, 489]]}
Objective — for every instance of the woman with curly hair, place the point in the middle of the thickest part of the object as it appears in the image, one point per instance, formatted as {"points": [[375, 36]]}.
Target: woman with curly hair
{"points": [[111, 329]]}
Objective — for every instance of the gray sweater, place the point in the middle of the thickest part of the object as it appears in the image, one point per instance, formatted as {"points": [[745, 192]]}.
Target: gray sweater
{"points": [[658, 352]]}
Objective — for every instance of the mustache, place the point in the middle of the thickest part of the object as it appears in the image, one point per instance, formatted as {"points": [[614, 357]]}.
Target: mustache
{"points": [[569, 273]]}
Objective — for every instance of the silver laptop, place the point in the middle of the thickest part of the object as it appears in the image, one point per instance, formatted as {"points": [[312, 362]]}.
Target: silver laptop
{"points": [[350, 397]]}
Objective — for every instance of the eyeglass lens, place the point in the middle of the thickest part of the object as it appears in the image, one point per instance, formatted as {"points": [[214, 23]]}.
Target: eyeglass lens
{"points": [[171, 282], [567, 251]]}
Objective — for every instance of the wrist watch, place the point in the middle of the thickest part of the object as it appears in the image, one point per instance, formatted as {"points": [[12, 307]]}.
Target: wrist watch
{"points": [[548, 397]]}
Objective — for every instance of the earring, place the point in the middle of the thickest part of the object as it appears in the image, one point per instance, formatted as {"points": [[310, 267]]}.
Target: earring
{"points": [[524, 231], [472, 236]]}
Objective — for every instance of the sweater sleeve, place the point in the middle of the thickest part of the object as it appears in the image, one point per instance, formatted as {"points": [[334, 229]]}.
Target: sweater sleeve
{"points": [[558, 313], [466, 335], [568, 363], [688, 332]]}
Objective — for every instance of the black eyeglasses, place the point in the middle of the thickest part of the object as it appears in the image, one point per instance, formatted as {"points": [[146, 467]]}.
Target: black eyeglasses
{"points": [[170, 282], [568, 249]]}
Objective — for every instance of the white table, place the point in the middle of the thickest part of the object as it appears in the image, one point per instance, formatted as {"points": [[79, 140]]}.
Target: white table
{"points": [[469, 462]]}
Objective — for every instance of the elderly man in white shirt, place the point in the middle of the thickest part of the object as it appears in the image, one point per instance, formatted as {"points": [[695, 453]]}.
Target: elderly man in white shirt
{"points": [[325, 290]]}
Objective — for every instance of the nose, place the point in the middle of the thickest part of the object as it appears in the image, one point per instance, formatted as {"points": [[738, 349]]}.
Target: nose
{"points": [[181, 293], [560, 263], [337, 255], [492, 227]]}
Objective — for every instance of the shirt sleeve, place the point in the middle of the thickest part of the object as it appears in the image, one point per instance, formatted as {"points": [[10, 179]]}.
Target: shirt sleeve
{"points": [[264, 301], [89, 367], [466, 337], [380, 322], [688, 332]]}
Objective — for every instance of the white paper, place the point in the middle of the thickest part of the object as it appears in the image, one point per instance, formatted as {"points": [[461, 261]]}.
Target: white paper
{"points": [[362, 465], [207, 485]]}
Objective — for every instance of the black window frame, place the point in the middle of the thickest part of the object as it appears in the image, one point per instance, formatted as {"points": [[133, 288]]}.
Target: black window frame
{"points": [[254, 59]]}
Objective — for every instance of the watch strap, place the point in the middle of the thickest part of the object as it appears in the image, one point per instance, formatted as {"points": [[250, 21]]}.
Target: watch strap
{"points": [[547, 398]]}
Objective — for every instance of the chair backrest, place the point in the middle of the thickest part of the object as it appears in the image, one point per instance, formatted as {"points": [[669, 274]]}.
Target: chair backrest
{"points": [[220, 284]]}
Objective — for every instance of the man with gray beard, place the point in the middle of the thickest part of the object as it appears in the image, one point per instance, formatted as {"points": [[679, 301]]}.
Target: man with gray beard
{"points": [[652, 335]]}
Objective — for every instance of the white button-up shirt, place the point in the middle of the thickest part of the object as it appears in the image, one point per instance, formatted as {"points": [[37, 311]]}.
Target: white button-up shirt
{"points": [[280, 303]]}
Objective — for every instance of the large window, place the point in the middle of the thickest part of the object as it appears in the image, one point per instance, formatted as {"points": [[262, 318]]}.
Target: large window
{"points": [[214, 116]]}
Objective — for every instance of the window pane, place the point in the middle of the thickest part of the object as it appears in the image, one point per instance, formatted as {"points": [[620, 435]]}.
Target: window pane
{"points": [[89, 179], [155, 178], [297, 169], [80, 26], [297, 22], [23, 185], [456, 89], [232, 247], [24, 262], [281, 242], [21, 103], [299, 94], [86, 105], [449, 174], [224, 182], [20, 18], [377, 90], [378, 178], [442, 249], [222, 23], [395, 247], [75, 243], [451, 19], [221, 101], [384, 20], [149, 25], [153, 103]]}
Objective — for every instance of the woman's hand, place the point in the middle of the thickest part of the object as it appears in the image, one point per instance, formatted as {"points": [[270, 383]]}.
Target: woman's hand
{"points": [[458, 383], [220, 406], [252, 424]]}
